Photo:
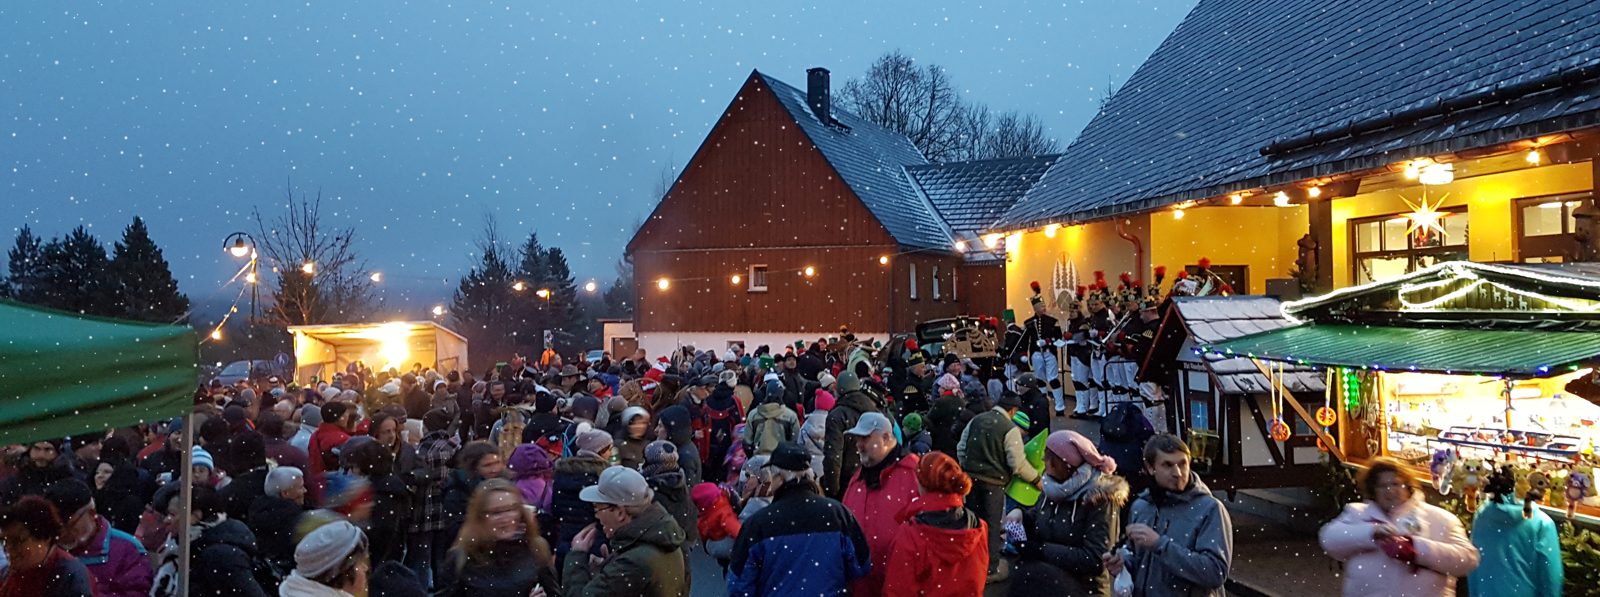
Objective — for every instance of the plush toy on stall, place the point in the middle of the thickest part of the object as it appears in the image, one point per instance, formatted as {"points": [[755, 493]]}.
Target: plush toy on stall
{"points": [[1443, 469], [1578, 485], [1538, 487], [1470, 478]]}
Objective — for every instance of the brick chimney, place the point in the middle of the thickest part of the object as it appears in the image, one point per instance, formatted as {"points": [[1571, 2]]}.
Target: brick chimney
{"points": [[819, 95]]}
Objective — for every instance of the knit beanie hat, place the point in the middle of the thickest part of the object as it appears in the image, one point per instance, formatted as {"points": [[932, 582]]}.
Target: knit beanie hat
{"points": [[662, 453], [912, 424], [585, 407], [324, 549], [728, 378], [825, 379], [203, 458], [629, 413], [1076, 449], [705, 495], [311, 415], [824, 400], [937, 472], [593, 441]]}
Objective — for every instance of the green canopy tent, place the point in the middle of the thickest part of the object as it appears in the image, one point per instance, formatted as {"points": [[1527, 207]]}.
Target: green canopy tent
{"points": [[65, 374]]}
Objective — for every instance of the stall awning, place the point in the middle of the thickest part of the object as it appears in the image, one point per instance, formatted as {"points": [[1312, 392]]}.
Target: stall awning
{"points": [[64, 374], [1434, 350]]}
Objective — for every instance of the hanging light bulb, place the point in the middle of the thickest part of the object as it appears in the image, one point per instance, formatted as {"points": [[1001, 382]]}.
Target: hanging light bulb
{"points": [[250, 277], [1050, 231], [736, 279], [883, 260], [216, 334], [1314, 192], [1534, 157], [1177, 214], [1236, 199], [1281, 199], [663, 284], [810, 271], [961, 246], [991, 240], [1413, 169]]}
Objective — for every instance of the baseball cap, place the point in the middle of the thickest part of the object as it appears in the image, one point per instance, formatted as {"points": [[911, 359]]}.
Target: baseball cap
{"points": [[619, 486], [870, 423]]}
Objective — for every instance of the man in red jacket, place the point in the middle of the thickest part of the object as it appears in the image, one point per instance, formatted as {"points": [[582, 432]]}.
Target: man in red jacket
{"points": [[338, 418], [880, 489]]}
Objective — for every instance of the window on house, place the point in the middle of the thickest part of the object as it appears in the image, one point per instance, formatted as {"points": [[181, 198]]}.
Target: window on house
{"points": [[913, 269], [955, 284], [1545, 226], [1387, 246], [936, 293], [758, 278]]}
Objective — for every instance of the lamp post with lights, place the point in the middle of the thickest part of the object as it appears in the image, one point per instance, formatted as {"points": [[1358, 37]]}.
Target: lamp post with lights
{"points": [[242, 245]]}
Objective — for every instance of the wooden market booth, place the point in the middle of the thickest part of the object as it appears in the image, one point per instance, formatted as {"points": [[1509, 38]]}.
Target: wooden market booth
{"points": [[1480, 363], [1225, 406]]}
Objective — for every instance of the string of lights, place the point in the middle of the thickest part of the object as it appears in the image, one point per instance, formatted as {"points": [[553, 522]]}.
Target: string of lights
{"points": [[808, 271]]}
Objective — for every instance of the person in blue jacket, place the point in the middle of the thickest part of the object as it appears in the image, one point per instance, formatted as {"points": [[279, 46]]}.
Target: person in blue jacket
{"points": [[804, 544], [1521, 554]]}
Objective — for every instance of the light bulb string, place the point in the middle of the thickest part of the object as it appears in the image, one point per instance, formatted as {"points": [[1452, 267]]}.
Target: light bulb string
{"points": [[770, 272]]}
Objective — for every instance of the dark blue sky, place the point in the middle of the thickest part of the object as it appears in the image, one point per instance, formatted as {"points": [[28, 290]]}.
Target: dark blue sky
{"points": [[414, 119]]}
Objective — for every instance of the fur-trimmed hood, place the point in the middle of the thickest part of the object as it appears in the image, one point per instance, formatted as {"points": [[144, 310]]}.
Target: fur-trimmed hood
{"points": [[581, 465], [1107, 489]]}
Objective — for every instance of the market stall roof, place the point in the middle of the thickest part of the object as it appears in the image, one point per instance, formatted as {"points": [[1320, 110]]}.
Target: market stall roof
{"points": [[335, 333], [1194, 321], [67, 374], [1514, 353]]}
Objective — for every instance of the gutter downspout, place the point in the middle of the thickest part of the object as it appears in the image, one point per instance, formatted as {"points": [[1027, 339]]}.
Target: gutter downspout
{"points": [[1138, 250]]}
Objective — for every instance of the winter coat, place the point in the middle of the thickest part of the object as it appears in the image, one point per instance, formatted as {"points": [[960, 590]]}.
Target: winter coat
{"points": [[630, 452], [273, 520], [534, 472], [1443, 552], [458, 488], [945, 422], [571, 513], [242, 491], [940, 549], [839, 460], [323, 451], [60, 575], [222, 561], [391, 518], [1066, 538], [285, 454], [1196, 548], [813, 436], [507, 570], [802, 544], [769, 425], [920, 444], [673, 496], [717, 520], [123, 498], [680, 431], [116, 561], [1122, 436], [1519, 556], [32, 480], [876, 510], [722, 413], [647, 560]]}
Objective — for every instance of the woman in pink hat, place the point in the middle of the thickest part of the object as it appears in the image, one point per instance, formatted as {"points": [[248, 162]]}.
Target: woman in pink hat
{"points": [[1074, 523]]}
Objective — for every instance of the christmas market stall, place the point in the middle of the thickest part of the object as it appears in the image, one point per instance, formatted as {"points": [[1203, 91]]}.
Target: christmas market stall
{"points": [[1456, 368], [1225, 406], [321, 350]]}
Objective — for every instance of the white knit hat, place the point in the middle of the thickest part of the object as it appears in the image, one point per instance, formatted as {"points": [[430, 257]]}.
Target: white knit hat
{"points": [[324, 549]]}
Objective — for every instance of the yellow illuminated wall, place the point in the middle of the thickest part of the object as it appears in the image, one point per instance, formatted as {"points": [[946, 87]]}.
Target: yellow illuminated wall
{"points": [[1490, 202], [1093, 246], [1262, 238]]}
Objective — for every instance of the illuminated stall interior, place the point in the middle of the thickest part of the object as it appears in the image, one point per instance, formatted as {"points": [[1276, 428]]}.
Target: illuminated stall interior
{"points": [[1457, 366], [321, 350]]}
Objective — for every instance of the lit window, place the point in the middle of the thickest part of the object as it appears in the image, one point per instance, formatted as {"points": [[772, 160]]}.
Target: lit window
{"points": [[936, 293], [913, 269]]}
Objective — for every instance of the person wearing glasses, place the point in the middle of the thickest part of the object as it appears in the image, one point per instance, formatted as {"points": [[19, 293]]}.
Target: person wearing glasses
{"points": [[499, 550], [1394, 543]]}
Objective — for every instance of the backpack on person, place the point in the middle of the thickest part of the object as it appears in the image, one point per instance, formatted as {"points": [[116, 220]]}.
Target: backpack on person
{"points": [[771, 432]]}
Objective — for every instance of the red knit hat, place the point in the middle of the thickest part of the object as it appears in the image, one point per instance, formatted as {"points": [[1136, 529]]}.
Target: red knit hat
{"points": [[939, 473]]}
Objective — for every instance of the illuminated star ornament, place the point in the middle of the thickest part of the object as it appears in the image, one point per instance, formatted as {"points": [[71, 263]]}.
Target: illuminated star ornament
{"points": [[1425, 218]]}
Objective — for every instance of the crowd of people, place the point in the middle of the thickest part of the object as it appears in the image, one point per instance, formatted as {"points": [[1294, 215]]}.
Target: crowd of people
{"points": [[837, 466]]}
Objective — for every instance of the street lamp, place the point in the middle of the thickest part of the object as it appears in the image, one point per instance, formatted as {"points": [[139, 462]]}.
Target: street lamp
{"points": [[377, 277], [543, 293], [590, 286], [309, 267], [438, 310], [239, 244], [518, 286]]}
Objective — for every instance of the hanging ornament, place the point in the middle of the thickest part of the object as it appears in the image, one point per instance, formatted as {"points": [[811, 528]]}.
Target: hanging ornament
{"points": [[1280, 430], [1326, 417]]}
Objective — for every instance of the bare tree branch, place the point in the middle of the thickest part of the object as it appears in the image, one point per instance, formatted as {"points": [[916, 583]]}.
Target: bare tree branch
{"points": [[336, 290]]}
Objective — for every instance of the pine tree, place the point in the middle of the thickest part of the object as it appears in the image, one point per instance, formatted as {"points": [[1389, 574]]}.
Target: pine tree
{"points": [[619, 297], [76, 275], [529, 309], [565, 315], [141, 282], [484, 304], [27, 268]]}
